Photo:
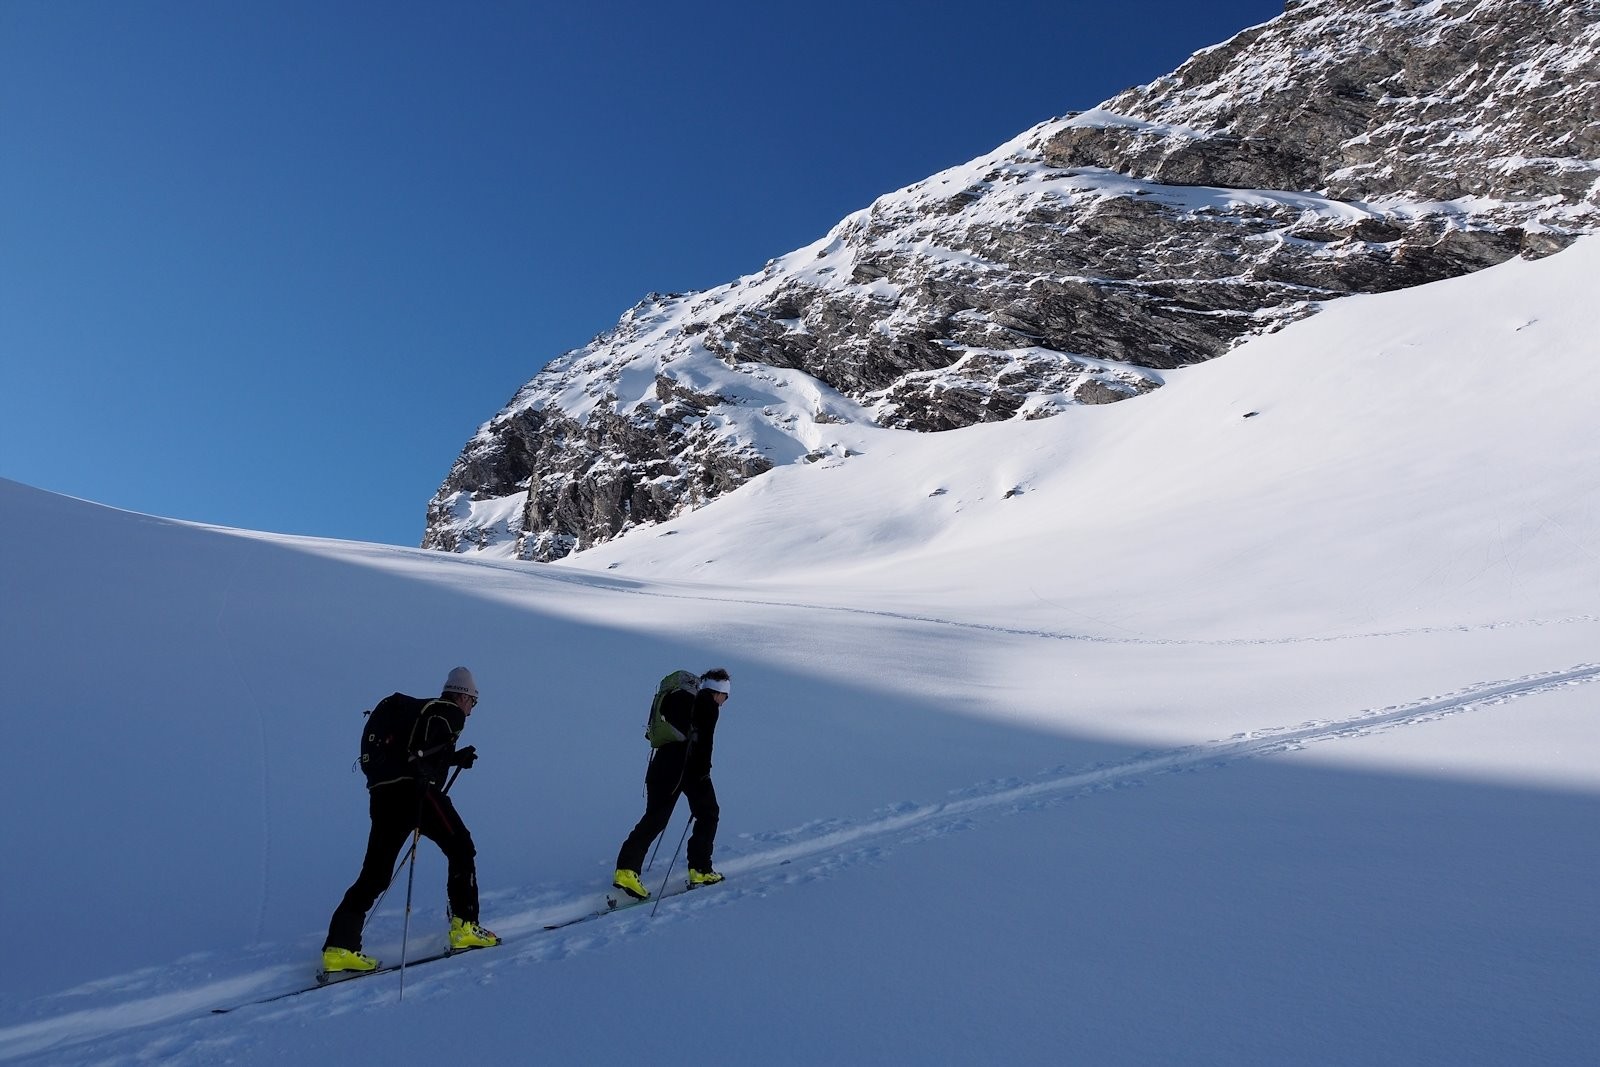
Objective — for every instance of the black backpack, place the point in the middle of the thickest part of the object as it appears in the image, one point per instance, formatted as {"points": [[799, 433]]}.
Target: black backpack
{"points": [[386, 738]]}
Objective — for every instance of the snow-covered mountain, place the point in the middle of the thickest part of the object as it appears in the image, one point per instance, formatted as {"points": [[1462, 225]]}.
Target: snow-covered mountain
{"points": [[1252, 723], [1347, 146]]}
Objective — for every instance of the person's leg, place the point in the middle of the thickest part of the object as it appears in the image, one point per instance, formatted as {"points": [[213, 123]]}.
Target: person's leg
{"points": [[661, 783], [442, 825], [394, 812], [702, 796]]}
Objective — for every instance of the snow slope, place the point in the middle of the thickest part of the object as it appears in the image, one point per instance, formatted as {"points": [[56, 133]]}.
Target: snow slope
{"points": [[1430, 410], [1225, 740]]}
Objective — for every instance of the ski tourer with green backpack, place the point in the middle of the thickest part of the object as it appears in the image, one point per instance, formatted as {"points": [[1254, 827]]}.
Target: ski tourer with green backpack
{"points": [[681, 730]]}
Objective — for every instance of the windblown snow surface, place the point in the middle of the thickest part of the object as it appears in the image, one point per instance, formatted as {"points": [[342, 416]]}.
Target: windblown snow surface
{"points": [[1250, 721]]}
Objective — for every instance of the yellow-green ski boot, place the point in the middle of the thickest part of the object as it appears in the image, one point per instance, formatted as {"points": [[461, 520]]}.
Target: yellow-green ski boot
{"points": [[628, 882], [335, 960], [464, 935]]}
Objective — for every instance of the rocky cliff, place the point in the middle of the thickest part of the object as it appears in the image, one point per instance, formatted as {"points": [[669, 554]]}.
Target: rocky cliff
{"points": [[1348, 146]]}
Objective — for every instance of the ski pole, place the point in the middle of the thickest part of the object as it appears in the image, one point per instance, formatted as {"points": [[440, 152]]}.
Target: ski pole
{"points": [[677, 791], [663, 835], [413, 851], [670, 865], [411, 877], [651, 862], [410, 856], [405, 932]]}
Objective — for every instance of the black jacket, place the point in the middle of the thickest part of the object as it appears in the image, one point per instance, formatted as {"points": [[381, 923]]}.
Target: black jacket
{"points": [[696, 718], [434, 740]]}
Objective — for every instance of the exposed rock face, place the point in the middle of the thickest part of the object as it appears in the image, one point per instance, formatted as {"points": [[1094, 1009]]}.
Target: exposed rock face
{"points": [[1426, 100], [1347, 146]]}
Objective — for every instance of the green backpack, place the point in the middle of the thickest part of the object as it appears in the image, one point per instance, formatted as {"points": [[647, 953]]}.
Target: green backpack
{"points": [[657, 730]]}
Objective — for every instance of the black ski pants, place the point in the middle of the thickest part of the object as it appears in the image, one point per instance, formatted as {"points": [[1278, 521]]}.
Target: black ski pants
{"points": [[398, 809], [663, 784]]}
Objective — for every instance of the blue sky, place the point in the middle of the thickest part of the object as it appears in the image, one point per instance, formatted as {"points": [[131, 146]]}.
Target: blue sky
{"points": [[271, 264]]}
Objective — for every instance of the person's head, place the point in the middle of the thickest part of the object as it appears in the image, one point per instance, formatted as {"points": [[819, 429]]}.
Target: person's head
{"points": [[461, 690], [719, 683]]}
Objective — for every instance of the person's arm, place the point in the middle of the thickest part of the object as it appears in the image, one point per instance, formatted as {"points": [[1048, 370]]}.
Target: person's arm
{"points": [[434, 740]]}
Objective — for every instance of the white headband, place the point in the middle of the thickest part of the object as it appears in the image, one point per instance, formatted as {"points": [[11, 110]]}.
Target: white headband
{"points": [[717, 685]]}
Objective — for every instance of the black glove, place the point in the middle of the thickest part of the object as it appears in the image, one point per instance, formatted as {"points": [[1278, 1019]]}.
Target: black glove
{"points": [[465, 757]]}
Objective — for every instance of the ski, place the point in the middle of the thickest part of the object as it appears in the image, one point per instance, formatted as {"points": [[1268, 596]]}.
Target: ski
{"points": [[326, 980], [617, 901], [614, 903]]}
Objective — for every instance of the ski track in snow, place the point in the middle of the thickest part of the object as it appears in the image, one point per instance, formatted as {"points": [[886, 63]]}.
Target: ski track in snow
{"points": [[775, 859]]}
